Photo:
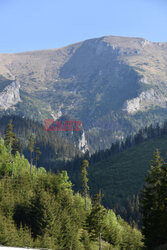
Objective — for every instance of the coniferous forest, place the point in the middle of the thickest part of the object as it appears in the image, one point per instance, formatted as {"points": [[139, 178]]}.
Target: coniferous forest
{"points": [[42, 208]]}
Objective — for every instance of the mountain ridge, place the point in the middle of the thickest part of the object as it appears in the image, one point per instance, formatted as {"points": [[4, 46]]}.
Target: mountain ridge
{"points": [[118, 84], [78, 42]]}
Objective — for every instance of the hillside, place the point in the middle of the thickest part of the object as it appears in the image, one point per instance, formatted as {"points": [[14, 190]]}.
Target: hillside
{"points": [[114, 85], [40, 210], [122, 175], [55, 149], [119, 171]]}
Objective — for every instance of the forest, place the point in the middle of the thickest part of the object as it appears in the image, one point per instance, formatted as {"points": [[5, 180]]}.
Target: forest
{"points": [[41, 208]]}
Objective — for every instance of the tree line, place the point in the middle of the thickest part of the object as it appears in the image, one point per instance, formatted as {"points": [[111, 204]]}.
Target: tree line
{"points": [[40, 209]]}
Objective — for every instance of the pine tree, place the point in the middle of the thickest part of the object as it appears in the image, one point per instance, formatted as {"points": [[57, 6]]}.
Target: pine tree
{"points": [[95, 220], [38, 153], [84, 174], [31, 145], [154, 203], [11, 140]]}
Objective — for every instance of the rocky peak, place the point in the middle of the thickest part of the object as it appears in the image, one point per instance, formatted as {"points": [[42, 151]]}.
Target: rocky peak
{"points": [[83, 145], [10, 95]]}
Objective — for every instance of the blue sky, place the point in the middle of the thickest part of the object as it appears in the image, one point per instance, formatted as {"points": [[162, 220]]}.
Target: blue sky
{"points": [[43, 24]]}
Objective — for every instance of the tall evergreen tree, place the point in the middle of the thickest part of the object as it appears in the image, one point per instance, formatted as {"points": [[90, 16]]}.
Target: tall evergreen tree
{"points": [[154, 204], [84, 174], [10, 139], [31, 145], [95, 220], [38, 153]]}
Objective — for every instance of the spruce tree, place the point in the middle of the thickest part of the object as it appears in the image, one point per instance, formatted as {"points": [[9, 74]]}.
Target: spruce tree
{"points": [[10, 139], [84, 174], [38, 153], [95, 220], [154, 204], [31, 145]]}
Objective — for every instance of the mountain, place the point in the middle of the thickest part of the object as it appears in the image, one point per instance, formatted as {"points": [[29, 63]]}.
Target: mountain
{"points": [[114, 85]]}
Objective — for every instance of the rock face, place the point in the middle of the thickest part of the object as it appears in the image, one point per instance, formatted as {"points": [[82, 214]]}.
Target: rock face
{"points": [[145, 100], [113, 85], [10, 96], [83, 145]]}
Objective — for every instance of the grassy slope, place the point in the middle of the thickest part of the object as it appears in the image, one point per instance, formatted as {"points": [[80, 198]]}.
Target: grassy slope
{"points": [[123, 175]]}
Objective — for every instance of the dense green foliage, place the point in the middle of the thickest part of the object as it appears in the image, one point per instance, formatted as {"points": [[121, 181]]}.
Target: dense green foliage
{"points": [[84, 177], [96, 217], [122, 176], [31, 146], [10, 139], [55, 149], [41, 210], [154, 203], [119, 171]]}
